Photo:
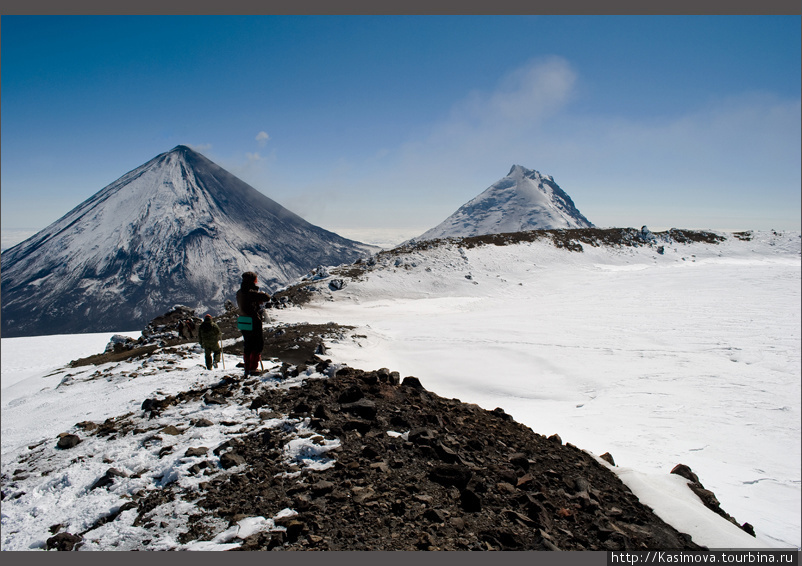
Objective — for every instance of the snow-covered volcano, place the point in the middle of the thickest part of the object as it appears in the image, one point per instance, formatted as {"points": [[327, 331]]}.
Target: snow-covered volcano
{"points": [[523, 200], [177, 230]]}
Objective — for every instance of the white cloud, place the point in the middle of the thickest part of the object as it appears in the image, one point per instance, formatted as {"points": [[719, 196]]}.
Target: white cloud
{"points": [[253, 156], [732, 150], [487, 126], [523, 98], [262, 137], [742, 152], [200, 147], [425, 181]]}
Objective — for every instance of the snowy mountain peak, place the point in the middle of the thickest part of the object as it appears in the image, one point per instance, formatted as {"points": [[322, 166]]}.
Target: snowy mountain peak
{"points": [[516, 169], [182, 151], [523, 200], [177, 230], [521, 172]]}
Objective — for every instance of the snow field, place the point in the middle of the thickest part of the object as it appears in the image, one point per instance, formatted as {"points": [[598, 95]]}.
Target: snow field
{"points": [[692, 356]]}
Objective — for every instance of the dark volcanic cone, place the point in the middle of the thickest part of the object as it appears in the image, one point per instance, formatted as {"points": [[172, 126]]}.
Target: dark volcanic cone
{"points": [[177, 230]]}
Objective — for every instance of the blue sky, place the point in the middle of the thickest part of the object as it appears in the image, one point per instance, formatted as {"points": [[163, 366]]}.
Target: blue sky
{"points": [[393, 122]]}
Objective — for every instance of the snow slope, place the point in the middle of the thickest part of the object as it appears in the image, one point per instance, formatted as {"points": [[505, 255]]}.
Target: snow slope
{"points": [[59, 491], [56, 487], [177, 230], [691, 356], [523, 200]]}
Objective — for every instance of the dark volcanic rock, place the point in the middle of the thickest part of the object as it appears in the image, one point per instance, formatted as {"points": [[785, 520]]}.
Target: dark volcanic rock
{"points": [[461, 478], [685, 472], [410, 471], [707, 497], [230, 459], [607, 457], [68, 441], [413, 382], [363, 408], [63, 541], [107, 479], [456, 476]]}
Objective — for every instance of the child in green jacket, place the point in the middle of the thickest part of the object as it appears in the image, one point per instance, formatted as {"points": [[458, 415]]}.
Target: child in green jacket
{"points": [[209, 336]]}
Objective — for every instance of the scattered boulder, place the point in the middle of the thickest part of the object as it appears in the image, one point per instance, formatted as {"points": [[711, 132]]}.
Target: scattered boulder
{"points": [[412, 382], [211, 399], [421, 436], [451, 475], [519, 460], [707, 497], [351, 395], [87, 426], [502, 414], [63, 541], [445, 453], [469, 501], [67, 441], [322, 487], [119, 343], [230, 460], [108, 478], [685, 472], [337, 284], [363, 408], [193, 452], [607, 457]]}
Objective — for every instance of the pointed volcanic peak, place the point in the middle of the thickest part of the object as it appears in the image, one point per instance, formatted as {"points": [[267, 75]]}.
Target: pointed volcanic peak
{"points": [[177, 230], [523, 200]]}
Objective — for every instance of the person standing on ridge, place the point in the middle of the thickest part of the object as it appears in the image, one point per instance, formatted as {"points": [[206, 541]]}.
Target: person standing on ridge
{"points": [[249, 297], [209, 336]]}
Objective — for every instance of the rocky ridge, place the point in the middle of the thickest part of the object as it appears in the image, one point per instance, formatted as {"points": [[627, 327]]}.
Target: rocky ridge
{"points": [[386, 465], [327, 280], [383, 463]]}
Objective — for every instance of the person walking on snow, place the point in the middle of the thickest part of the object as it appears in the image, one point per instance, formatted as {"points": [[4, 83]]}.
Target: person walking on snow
{"points": [[249, 297], [209, 336]]}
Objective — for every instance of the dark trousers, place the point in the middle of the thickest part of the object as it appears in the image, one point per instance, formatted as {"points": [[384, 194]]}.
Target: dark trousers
{"points": [[253, 346], [212, 362]]}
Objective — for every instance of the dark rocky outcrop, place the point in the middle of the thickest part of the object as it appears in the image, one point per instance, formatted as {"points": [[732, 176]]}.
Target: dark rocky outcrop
{"points": [[63, 541], [413, 471], [569, 239], [67, 441], [708, 497]]}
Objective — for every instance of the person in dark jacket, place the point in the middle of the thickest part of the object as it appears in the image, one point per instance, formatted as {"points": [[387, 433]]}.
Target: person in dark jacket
{"points": [[209, 336], [249, 299]]}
